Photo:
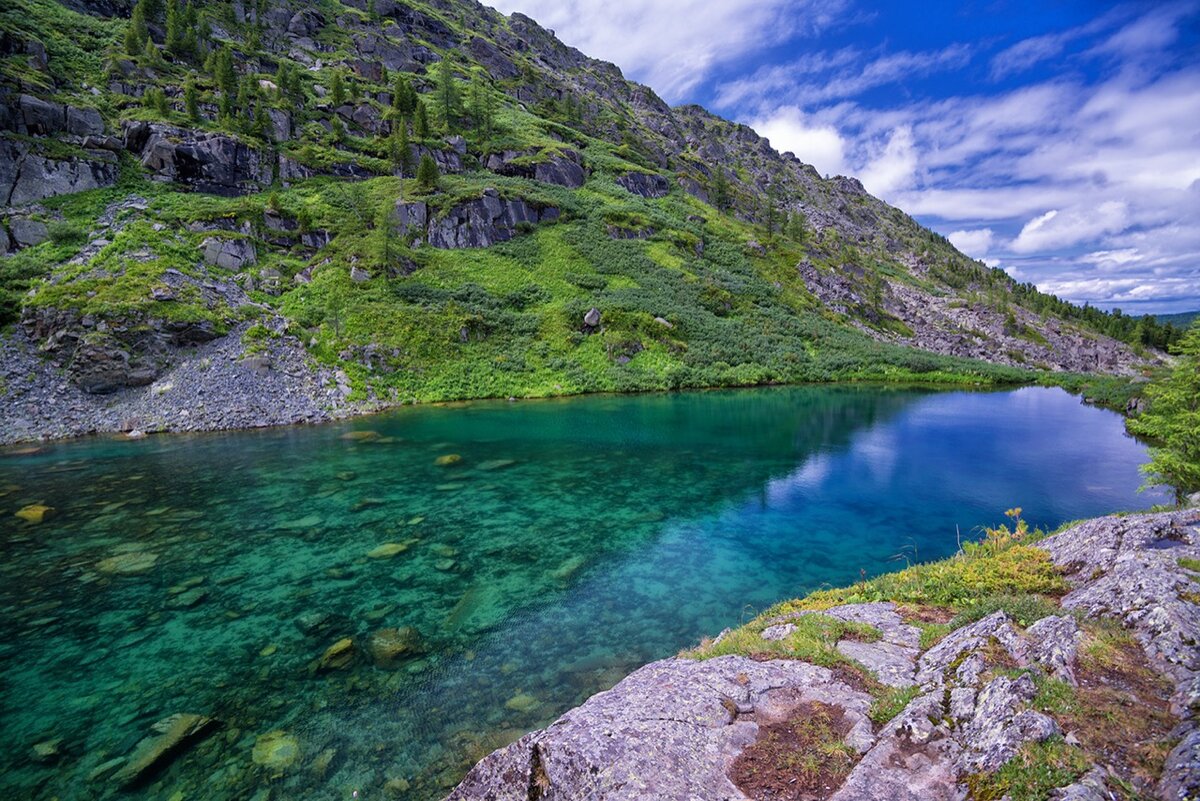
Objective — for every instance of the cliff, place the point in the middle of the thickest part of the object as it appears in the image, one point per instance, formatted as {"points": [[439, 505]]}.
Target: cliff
{"points": [[1064, 668]]}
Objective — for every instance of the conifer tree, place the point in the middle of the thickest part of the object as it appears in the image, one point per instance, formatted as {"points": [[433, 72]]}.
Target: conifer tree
{"points": [[721, 195], [191, 100], [223, 72], [449, 102], [404, 97], [175, 29], [421, 121], [337, 90], [137, 34], [427, 174], [402, 158]]}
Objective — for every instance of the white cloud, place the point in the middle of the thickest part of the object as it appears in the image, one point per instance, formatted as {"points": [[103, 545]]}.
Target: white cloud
{"points": [[840, 76], [976, 244], [674, 45], [894, 167], [1055, 230], [813, 143]]}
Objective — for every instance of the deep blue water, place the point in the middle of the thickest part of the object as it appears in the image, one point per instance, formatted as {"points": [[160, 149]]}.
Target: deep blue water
{"points": [[571, 542]]}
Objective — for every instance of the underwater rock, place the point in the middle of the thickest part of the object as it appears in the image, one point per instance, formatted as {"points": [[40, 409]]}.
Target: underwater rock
{"points": [[338, 656], [389, 646], [523, 703], [173, 734], [396, 787], [46, 751], [35, 513], [445, 565], [496, 464], [388, 550], [128, 564], [361, 436], [568, 568], [448, 459], [186, 600], [320, 764], [276, 751], [448, 551], [308, 521]]}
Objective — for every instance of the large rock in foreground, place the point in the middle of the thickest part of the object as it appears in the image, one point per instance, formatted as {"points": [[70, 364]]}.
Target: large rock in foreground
{"points": [[679, 729]]}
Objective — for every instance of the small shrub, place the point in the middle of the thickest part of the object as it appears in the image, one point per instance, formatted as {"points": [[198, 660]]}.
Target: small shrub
{"points": [[66, 233]]}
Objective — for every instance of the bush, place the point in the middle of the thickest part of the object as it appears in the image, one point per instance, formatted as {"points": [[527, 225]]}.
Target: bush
{"points": [[66, 233]]}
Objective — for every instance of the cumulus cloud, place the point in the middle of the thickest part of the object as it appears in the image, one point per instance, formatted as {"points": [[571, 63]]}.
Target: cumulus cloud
{"points": [[820, 145], [976, 244], [1055, 230], [674, 45]]}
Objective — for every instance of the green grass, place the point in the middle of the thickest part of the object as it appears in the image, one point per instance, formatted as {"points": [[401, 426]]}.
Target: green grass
{"points": [[1189, 564], [814, 640], [1033, 774], [891, 703]]}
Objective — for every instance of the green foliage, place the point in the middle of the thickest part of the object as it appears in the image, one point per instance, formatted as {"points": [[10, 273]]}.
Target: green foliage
{"points": [[66, 233], [427, 174], [1173, 421], [137, 34], [421, 121], [337, 89], [1033, 774], [814, 640], [191, 100], [890, 703]]}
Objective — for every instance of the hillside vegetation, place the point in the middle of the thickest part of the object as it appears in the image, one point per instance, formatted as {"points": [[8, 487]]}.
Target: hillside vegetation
{"points": [[435, 202]]}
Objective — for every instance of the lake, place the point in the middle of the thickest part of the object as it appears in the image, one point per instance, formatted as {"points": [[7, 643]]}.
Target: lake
{"points": [[531, 554]]}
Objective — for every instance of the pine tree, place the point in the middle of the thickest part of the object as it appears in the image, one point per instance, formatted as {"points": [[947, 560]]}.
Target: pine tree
{"points": [[136, 35], [191, 100], [175, 29], [1173, 422], [151, 55], [338, 130], [421, 121], [337, 91], [262, 123], [223, 72], [402, 158], [449, 102], [427, 174], [404, 97], [721, 195]]}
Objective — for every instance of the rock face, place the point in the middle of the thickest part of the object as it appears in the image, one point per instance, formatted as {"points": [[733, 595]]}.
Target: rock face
{"points": [[673, 729], [563, 168], [646, 184], [475, 224], [213, 163], [26, 175], [950, 326], [172, 735]]}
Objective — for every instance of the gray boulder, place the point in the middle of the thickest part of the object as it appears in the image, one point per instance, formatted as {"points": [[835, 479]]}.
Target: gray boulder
{"points": [[26, 232], [27, 176], [669, 732], [474, 224], [645, 184], [228, 254]]}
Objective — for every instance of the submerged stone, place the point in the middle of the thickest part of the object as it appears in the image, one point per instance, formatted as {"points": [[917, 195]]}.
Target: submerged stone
{"points": [[128, 564], [522, 702], [448, 459], [276, 751], [173, 734], [35, 513], [188, 599], [361, 436], [445, 564], [389, 646], [338, 656], [496, 464], [308, 521], [387, 550], [46, 751]]}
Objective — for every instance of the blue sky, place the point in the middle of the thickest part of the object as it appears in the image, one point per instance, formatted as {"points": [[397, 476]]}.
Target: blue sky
{"points": [[1059, 140]]}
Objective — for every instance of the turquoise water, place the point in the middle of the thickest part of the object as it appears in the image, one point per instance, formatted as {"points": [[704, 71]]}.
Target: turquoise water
{"points": [[571, 542]]}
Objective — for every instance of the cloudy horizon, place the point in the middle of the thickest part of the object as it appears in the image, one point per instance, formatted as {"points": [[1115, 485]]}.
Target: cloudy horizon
{"points": [[1060, 143]]}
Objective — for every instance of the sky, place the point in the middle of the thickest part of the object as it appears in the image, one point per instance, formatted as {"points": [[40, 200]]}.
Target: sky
{"points": [[1059, 140]]}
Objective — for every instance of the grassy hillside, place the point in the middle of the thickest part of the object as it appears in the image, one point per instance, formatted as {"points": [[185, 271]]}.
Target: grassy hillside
{"points": [[685, 234]]}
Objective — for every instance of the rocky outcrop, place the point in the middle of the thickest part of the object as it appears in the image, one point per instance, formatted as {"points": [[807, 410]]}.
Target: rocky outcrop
{"points": [[674, 729], [895, 311], [206, 162], [27, 175], [563, 168], [645, 184], [475, 224]]}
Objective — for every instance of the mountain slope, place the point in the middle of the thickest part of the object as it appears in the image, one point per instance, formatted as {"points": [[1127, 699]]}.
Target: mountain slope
{"points": [[246, 173]]}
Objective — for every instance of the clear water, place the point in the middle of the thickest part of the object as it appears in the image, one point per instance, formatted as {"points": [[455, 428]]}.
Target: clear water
{"points": [[574, 541]]}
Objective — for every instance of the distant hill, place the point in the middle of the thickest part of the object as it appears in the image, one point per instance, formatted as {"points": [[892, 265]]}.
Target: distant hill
{"points": [[1180, 320]]}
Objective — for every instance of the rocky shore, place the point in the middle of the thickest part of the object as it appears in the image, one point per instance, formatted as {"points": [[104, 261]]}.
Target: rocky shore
{"points": [[225, 383], [1096, 699]]}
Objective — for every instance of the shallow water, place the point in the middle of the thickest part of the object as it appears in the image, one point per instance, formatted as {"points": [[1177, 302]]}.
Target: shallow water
{"points": [[571, 542]]}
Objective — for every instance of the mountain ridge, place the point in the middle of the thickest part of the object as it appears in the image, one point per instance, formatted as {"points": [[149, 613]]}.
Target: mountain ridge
{"points": [[562, 189]]}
